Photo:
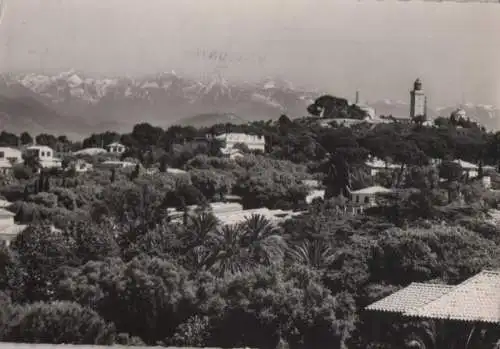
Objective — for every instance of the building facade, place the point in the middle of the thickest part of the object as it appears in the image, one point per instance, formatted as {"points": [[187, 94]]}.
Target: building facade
{"points": [[253, 142], [116, 148], [45, 156], [8, 157]]}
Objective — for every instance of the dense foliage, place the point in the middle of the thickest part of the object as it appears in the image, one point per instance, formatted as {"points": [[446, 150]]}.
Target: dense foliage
{"points": [[103, 262]]}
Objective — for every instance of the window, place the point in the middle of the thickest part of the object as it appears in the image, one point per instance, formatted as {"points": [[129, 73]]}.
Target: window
{"points": [[48, 154], [367, 199], [42, 153], [2, 154], [357, 199]]}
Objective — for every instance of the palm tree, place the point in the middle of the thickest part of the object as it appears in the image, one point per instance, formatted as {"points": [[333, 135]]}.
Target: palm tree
{"points": [[228, 256], [197, 229], [315, 253], [262, 240], [195, 238], [242, 247]]}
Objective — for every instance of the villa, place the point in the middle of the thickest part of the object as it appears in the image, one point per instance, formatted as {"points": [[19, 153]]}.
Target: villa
{"points": [[253, 142], [45, 156], [8, 157], [116, 148]]}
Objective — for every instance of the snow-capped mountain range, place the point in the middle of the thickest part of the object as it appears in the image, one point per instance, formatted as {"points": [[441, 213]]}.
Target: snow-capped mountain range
{"points": [[73, 103], [161, 99]]}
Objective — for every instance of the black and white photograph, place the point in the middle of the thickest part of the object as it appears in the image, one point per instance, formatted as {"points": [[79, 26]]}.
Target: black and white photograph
{"points": [[250, 174]]}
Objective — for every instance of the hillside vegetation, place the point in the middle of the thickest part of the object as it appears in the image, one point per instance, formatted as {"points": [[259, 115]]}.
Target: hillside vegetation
{"points": [[118, 270]]}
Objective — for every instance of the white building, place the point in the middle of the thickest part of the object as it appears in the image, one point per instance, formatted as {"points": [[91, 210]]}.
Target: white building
{"points": [[8, 228], [116, 148], [315, 194], [376, 165], [366, 197], [251, 141], [232, 153], [11, 154], [81, 166], [45, 156], [470, 170], [8, 157]]}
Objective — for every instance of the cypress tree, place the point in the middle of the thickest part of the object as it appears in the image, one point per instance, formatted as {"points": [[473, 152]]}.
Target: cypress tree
{"points": [[41, 182], [46, 185]]}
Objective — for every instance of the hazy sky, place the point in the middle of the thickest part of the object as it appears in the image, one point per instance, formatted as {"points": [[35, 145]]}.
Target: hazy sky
{"points": [[334, 45]]}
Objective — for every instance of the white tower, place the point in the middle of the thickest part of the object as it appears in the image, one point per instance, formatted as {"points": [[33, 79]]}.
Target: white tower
{"points": [[417, 100]]}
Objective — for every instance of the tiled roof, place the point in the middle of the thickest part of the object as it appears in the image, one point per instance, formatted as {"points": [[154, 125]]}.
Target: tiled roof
{"points": [[476, 299], [414, 296], [41, 147]]}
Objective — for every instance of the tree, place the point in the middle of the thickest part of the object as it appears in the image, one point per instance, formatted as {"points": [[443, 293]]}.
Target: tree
{"points": [[59, 323], [26, 138], [42, 251], [328, 107], [136, 172], [453, 173], [32, 162], [46, 139], [8, 139], [212, 184], [314, 253]]}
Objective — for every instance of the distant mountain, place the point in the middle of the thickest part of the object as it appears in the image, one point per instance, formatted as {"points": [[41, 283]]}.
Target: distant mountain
{"points": [[160, 99], [205, 120], [71, 102], [20, 114]]}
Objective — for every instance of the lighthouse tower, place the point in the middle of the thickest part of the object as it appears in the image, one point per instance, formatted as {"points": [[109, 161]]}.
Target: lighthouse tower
{"points": [[418, 101]]}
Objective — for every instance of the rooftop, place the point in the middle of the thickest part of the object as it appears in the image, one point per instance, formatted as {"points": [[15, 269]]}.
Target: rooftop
{"points": [[372, 190], [414, 296], [240, 137], [41, 147], [90, 151], [476, 299], [466, 165], [377, 163]]}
